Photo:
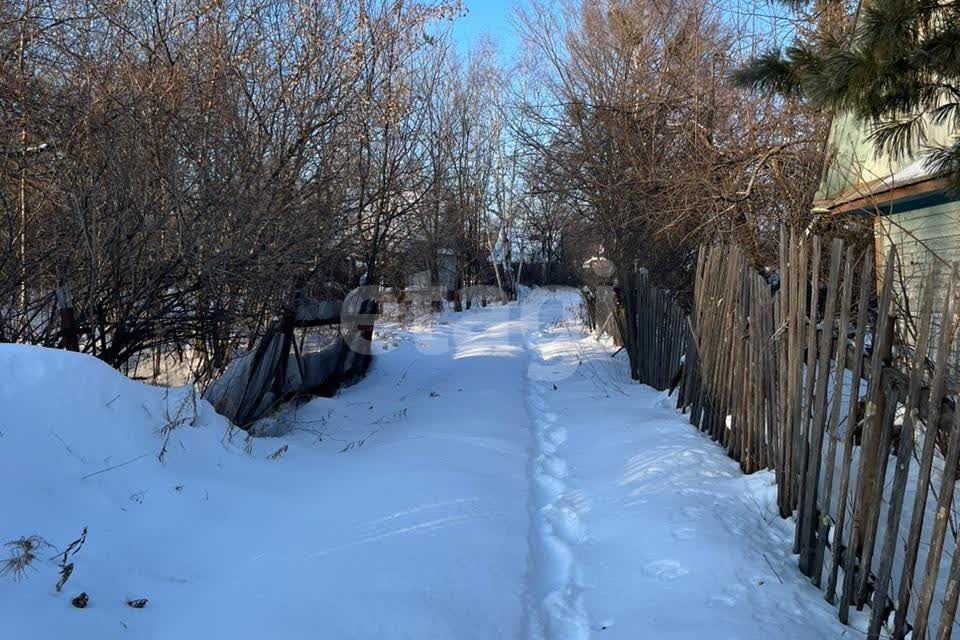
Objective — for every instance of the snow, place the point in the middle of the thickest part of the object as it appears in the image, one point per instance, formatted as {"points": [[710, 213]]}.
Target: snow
{"points": [[913, 171], [672, 540], [495, 476]]}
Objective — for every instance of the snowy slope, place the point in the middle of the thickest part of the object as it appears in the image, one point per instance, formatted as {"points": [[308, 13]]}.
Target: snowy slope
{"points": [[494, 477]]}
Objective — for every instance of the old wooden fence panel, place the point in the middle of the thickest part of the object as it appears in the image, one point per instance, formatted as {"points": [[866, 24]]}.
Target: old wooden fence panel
{"points": [[795, 377]]}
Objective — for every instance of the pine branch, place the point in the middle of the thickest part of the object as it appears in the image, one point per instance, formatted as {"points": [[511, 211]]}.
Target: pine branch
{"points": [[770, 73], [947, 114], [840, 75], [899, 137], [939, 52], [888, 27], [900, 71], [945, 161]]}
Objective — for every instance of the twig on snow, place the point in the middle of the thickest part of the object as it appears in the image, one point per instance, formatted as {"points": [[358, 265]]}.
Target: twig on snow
{"points": [[772, 569], [116, 466]]}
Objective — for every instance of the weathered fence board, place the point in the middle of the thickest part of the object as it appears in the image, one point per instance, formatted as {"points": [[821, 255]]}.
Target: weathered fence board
{"points": [[792, 375]]}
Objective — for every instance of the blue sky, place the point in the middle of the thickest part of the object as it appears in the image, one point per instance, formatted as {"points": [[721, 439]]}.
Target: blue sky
{"points": [[491, 17], [494, 18]]}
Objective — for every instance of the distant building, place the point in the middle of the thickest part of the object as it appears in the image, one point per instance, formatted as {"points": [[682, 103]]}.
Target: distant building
{"points": [[446, 262]]}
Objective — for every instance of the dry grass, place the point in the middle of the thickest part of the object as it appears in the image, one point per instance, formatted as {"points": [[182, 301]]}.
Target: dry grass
{"points": [[185, 413], [66, 567], [276, 455], [23, 553]]}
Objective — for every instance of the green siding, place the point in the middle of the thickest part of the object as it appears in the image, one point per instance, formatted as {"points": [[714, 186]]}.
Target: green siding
{"points": [[852, 160], [923, 237]]}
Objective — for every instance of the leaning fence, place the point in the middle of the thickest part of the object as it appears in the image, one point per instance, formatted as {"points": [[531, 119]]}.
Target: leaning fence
{"points": [[798, 376]]}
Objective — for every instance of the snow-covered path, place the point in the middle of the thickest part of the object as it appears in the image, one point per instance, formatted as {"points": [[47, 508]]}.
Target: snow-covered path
{"points": [[496, 476], [670, 539]]}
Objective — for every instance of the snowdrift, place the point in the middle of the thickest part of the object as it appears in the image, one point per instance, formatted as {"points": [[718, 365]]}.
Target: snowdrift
{"points": [[374, 516], [81, 446]]}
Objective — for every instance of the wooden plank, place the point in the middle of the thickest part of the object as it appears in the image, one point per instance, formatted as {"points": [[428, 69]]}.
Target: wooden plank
{"points": [[670, 341], [653, 337], [686, 374], [834, 423], [726, 425], [639, 330], [694, 372], [758, 457], [684, 334], [851, 425], [678, 342], [937, 535], [696, 329], [739, 372], [631, 334], [879, 462], [722, 360], [866, 479], [717, 342], [797, 325], [691, 373], [754, 394], [650, 311], [876, 496], [768, 405], [803, 433], [736, 377], [904, 455], [769, 309], [912, 548], [757, 340], [948, 613], [782, 331], [707, 343], [748, 428], [660, 340], [680, 334], [816, 429], [701, 331], [720, 377], [659, 330], [662, 329]]}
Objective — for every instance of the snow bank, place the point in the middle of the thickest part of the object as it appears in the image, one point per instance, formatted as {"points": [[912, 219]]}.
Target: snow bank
{"points": [[397, 509], [80, 446]]}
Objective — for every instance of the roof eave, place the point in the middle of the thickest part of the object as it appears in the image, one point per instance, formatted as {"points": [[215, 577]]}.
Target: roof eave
{"points": [[872, 198]]}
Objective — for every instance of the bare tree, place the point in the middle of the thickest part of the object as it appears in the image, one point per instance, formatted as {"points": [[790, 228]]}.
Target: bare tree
{"points": [[647, 140]]}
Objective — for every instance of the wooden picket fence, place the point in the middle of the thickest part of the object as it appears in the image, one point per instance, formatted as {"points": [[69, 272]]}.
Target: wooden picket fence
{"points": [[798, 379], [657, 327]]}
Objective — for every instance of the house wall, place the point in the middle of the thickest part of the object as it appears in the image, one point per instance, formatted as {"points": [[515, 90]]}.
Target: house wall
{"points": [[852, 161], [925, 234]]}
